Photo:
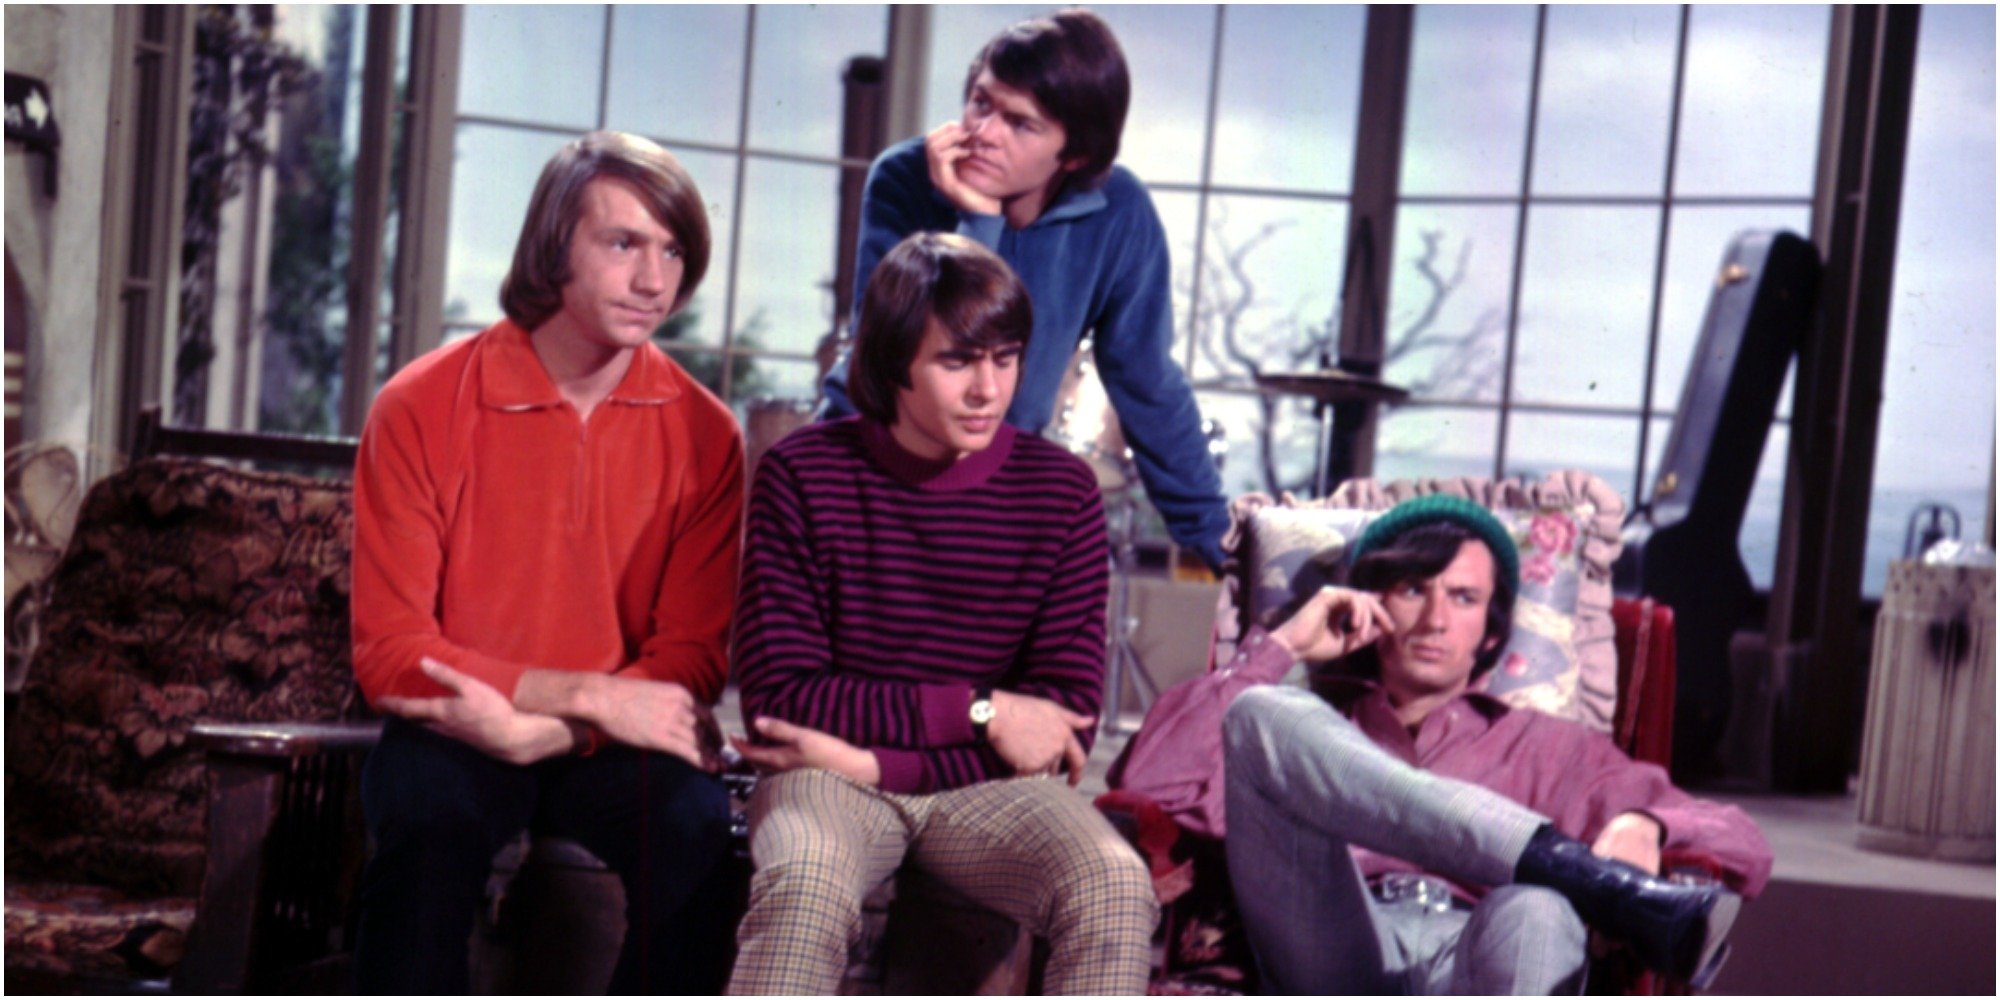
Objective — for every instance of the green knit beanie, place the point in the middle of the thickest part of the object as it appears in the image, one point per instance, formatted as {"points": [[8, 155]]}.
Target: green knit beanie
{"points": [[1441, 507]]}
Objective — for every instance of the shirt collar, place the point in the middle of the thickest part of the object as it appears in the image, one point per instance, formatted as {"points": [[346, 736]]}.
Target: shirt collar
{"points": [[933, 476], [512, 377], [1072, 204]]}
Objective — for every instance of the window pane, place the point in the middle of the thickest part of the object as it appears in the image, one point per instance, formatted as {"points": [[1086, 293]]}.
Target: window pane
{"points": [[795, 93], [1290, 91], [1750, 112], [1607, 86], [1417, 442], [1936, 442], [1541, 443], [532, 63], [1585, 305], [1657, 431], [1695, 247], [677, 72], [779, 382], [1178, 213], [1169, 52], [292, 222], [1270, 442], [1466, 122], [492, 176], [1758, 541], [715, 175], [1270, 284], [1448, 301], [784, 297]]}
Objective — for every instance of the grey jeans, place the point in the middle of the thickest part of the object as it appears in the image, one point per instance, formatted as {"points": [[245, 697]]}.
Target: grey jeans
{"points": [[1303, 784]]}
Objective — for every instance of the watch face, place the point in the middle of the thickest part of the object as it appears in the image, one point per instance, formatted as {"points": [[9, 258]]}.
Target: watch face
{"points": [[982, 712]]}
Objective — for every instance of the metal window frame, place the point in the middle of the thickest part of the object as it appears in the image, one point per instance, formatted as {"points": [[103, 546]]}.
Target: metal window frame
{"points": [[139, 295]]}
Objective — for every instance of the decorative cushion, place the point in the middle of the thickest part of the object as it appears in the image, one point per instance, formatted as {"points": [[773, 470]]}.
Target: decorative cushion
{"points": [[1560, 659], [190, 591], [70, 930]]}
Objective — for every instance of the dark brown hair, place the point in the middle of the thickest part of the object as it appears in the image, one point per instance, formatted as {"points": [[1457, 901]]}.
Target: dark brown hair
{"points": [[1072, 64], [1422, 553], [972, 292], [533, 290]]}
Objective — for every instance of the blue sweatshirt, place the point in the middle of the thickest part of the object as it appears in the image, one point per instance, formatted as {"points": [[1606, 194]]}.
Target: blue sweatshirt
{"points": [[1095, 261]]}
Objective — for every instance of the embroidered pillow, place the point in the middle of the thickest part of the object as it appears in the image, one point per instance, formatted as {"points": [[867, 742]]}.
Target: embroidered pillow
{"points": [[1560, 658]]}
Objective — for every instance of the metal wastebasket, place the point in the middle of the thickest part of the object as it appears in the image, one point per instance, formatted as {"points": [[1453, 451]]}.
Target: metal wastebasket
{"points": [[1927, 753]]}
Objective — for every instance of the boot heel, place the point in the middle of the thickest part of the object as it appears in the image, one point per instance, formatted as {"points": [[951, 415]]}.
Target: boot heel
{"points": [[1715, 941]]}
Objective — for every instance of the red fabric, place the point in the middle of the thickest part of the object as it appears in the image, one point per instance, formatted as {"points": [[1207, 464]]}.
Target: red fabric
{"points": [[496, 532], [1645, 724]]}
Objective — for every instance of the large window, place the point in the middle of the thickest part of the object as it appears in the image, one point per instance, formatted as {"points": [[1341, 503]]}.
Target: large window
{"points": [[1571, 178], [1935, 443], [749, 99]]}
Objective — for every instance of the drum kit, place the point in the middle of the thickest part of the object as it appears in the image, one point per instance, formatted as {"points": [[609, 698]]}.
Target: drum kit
{"points": [[1086, 425]]}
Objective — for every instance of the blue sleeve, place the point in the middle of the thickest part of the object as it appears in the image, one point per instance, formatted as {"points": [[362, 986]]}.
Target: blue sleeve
{"points": [[1156, 407], [896, 201]]}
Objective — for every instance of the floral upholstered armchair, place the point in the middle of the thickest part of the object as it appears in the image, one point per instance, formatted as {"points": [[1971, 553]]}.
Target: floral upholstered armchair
{"points": [[173, 722]]}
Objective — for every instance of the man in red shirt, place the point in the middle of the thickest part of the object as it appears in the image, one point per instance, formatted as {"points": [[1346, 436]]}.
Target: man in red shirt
{"points": [[546, 544]]}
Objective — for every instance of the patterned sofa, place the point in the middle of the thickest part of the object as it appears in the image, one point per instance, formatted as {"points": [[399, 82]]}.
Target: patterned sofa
{"points": [[174, 720]]}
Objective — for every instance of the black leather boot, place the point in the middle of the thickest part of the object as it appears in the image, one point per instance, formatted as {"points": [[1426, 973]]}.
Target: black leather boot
{"points": [[1673, 928]]}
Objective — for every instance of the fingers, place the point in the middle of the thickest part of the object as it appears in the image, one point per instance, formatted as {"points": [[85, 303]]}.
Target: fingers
{"points": [[451, 679], [778, 730], [947, 137], [762, 758], [1074, 760], [1075, 720]]}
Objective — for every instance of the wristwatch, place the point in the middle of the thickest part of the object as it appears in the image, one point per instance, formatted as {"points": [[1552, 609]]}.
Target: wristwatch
{"points": [[981, 712]]}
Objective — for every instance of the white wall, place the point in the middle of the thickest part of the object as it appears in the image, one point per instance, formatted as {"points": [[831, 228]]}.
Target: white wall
{"points": [[58, 243]]}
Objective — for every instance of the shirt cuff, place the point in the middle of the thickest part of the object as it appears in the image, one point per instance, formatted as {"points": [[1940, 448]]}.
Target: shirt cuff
{"points": [[1261, 658], [947, 714]]}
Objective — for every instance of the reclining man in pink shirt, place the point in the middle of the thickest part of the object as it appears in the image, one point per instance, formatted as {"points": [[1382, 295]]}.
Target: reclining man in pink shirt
{"points": [[1395, 831]]}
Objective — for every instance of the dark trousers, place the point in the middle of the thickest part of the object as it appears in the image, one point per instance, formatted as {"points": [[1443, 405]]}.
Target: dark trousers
{"points": [[438, 811]]}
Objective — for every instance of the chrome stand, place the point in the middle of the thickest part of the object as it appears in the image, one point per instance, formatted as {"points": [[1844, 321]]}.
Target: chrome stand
{"points": [[1122, 659]]}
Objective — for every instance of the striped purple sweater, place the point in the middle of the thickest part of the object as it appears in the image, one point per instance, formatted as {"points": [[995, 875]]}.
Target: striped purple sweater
{"points": [[879, 589]]}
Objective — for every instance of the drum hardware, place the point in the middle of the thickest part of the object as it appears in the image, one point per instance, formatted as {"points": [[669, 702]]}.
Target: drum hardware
{"points": [[1122, 659], [1330, 389]]}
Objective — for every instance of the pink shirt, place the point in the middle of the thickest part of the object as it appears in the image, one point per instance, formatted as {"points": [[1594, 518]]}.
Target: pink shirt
{"points": [[1572, 774]]}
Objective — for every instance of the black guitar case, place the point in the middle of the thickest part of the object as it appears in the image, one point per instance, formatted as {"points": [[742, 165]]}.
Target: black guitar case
{"points": [[1681, 543]]}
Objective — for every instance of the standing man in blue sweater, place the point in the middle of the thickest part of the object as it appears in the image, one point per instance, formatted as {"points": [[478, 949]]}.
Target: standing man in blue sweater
{"points": [[1028, 172]]}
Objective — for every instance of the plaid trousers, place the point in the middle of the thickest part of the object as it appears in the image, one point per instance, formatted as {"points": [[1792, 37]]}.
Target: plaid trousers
{"points": [[1304, 783], [1032, 848]]}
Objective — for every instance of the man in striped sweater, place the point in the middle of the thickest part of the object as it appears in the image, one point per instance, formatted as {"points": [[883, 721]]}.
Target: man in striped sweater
{"points": [[920, 649]]}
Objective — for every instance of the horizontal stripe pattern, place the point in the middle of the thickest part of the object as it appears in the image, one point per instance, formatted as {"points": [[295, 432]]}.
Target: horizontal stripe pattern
{"points": [[866, 596]]}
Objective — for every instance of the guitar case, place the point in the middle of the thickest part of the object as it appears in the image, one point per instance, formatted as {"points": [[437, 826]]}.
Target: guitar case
{"points": [[1681, 542]]}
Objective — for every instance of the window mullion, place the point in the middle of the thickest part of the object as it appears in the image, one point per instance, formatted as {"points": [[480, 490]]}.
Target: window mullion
{"points": [[1371, 229]]}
